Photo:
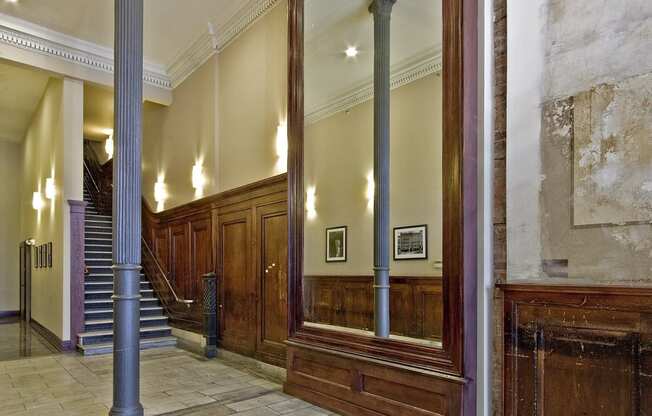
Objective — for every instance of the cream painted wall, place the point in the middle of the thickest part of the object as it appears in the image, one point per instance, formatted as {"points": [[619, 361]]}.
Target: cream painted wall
{"points": [[338, 156], [225, 114], [10, 163], [53, 148]]}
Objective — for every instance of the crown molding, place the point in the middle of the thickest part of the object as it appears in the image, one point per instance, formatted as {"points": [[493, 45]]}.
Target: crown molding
{"points": [[38, 39], [404, 73], [207, 44]]}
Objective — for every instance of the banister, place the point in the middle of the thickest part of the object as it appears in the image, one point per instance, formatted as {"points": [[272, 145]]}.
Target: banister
{"points": [[186, 302]]}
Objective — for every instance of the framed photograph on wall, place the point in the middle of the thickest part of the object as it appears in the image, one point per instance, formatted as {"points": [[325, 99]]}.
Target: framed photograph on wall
{"points": [[411, 243], [36, 262], [43, 256], [50, 254], [336, 244]]}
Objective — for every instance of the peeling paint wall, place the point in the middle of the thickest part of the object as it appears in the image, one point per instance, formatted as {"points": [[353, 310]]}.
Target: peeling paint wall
{"points": [[586, 151]]}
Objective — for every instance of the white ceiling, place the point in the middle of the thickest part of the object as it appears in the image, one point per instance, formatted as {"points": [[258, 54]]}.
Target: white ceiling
{"points": [[21, 89], [333, 25], [170, 26]]}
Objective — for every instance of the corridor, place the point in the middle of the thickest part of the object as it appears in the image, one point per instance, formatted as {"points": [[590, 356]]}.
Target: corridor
{"points": [[173, 382]]}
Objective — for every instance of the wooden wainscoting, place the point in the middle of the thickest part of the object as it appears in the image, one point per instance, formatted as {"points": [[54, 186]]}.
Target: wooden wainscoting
{"points": [[241, 235], [577, 350], [416, 308]]}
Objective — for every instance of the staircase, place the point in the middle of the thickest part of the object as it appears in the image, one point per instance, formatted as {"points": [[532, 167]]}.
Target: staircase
{"points": [[97, 337]]}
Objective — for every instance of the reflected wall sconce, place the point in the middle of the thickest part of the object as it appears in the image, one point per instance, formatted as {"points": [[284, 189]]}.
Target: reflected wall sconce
{"points": [[108, 146], [371, 189], [282, 147], [50, 190], [198, 179], [159, 194], [311, 199], [37, 201]]}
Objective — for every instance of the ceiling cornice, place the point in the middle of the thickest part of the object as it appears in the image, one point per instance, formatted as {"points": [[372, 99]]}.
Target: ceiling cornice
{"points": [[28, 36], [402, 74], [206, 45]]}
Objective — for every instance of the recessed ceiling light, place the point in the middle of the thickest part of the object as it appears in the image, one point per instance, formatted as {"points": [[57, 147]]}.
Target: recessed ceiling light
{"points": [[351, 52]]}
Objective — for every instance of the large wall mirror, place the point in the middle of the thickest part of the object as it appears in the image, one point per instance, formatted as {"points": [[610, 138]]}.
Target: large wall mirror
{"points": [[338, 160], [332, 181]]}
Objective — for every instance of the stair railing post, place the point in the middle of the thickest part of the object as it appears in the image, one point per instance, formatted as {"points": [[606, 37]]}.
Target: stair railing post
{"points": [[210, 314]]}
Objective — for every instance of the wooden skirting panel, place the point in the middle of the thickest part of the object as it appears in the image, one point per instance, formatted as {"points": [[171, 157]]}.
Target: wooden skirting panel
{"points": [[356, 386], [415, 303], [241, 235], [50, 336], [577, 350]]}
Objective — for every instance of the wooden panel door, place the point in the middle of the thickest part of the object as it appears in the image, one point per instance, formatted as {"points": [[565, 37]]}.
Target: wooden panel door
{"points": [[238, 283], [161, 246], [201, 258], [179, 258], [272, 237]]}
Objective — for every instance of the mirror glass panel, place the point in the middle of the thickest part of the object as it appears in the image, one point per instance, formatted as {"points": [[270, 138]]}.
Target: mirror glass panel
{"points": [[339, 161]]}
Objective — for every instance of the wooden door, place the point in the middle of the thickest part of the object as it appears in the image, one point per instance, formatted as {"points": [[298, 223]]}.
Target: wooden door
{"points": [[237, 283], [179, 256], [201, 255], [272, 237]]}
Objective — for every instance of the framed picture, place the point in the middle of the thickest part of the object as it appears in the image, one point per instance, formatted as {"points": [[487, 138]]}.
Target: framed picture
{"points": [[336, 244], [411, 243], [36, 262], [50, 254], [43, 256]]}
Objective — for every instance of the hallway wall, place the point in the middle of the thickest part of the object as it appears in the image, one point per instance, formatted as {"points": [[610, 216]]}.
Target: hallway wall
{"points": [[225, 114], [10, 164]]}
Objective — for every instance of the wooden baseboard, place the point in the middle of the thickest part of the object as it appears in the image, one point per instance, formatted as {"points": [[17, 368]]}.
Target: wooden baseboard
{"points": [[55, 341], [9, 314], [327, 402]]}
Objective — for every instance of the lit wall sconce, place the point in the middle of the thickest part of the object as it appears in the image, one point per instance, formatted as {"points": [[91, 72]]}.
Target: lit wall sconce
{"points": [[371, 189], [37, 201], [159, 194], [311, 199], [108, 146], [282, 147], [198, 179], [50, 190]]}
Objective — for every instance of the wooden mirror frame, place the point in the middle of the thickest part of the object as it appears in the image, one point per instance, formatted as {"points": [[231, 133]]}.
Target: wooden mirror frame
{"points": [[457, 356]]}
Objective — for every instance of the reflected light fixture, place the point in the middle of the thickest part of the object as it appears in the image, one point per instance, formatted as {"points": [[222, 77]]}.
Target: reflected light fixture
{"points": [[282, 147], [198, 179], [50, 190], [108, 146], [37, 201], [351, 52], [371, 189], [311, 210]]}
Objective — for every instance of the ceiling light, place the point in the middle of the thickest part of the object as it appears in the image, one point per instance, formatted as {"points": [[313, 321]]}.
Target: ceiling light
{"points": [[351, 52]]}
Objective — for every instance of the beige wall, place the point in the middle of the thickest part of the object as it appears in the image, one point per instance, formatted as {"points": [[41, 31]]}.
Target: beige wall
{"points": [[53, 147], [10, 163], [226, 114], [338, 156]]}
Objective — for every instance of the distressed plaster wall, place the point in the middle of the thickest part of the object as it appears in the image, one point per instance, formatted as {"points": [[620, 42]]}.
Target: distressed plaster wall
{"points": [[583, 46]]}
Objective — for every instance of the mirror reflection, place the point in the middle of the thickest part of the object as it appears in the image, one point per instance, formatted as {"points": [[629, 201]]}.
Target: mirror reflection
{"points": [[339, 180]]}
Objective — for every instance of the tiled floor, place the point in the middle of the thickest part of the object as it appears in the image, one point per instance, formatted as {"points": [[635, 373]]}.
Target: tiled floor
{"points": [[18, 340], [173, 381]]}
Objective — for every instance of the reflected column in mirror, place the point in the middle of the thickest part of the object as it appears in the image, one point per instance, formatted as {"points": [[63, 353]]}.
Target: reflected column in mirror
{"points": [[338, 290]]}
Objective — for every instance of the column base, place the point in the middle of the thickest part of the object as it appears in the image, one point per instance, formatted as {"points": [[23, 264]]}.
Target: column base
{"points": [[127, 411]]}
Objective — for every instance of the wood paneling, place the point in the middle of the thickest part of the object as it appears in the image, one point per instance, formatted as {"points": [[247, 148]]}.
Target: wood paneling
{"points": [[577, 350], [416, 304], [232, 234], [273, 272]]}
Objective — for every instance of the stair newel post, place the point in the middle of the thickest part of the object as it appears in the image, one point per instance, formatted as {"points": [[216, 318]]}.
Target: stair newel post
{"points": [[128, 102], [210, 314]]}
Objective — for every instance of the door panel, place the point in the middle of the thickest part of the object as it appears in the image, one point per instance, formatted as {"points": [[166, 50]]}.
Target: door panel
{"points": [[162, 247], [179, 256], [273, 283], [238, 300], [201, 261]]}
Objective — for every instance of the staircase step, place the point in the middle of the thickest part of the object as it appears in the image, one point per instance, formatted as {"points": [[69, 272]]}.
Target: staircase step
{"points": [[108, 303], [107, 323], [104, 336], [107, 313], [106, 294], [107, 348], [108, 285]]}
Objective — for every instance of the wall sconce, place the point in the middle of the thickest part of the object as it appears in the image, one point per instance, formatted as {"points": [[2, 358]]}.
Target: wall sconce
{"points": [[198, 179], [282, 147], [108, 146], [311, 210], [159, 194], [50, 190], [371, 189], [37, 201]]}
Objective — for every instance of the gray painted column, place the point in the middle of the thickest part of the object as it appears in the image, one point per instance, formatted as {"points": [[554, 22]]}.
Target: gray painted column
{"points": [[382, 10], [128, 103]]}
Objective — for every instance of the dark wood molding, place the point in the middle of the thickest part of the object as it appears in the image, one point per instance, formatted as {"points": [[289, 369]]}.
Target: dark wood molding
{"points": [[458, 355], [52, 338], [77, 267]]}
